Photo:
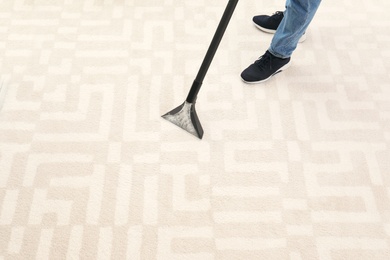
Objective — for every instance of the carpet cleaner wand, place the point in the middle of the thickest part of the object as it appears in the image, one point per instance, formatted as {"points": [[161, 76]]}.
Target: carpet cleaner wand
{"points": [[185, 115]]}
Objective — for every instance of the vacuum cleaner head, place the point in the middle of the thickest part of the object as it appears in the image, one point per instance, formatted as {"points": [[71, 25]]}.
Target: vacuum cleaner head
{"points": [[185, 117]]}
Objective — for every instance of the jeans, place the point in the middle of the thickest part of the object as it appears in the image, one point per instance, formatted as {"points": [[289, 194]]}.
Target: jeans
{"points": [[297, 17]]}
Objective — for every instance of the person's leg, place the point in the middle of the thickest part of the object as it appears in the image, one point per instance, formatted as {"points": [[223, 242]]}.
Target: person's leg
{"points": [[297, 17]]}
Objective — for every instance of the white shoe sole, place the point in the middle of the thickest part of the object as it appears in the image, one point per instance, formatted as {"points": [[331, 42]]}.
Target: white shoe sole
{"points": [[264, 29], [264, 80]]}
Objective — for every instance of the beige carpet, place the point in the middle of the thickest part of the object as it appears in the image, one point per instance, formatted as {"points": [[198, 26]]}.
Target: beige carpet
{"points": [[296, 168]]}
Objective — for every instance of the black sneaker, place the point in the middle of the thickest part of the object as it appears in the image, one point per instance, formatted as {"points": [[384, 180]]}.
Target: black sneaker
{"points": [[268, 23], [264, 68]]}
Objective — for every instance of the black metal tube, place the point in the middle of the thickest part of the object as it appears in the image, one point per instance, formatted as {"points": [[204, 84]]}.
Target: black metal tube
{"points": [[191, 98]]}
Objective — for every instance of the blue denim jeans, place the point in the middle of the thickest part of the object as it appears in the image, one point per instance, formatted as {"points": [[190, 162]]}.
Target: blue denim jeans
{"points": [[297, 17]]}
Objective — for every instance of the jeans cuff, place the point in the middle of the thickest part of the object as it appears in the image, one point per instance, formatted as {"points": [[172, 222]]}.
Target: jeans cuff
{"points": [[276, 54]]}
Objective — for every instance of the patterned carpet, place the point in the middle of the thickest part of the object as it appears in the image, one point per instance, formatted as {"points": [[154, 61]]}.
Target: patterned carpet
{"points": [[296, 168]]}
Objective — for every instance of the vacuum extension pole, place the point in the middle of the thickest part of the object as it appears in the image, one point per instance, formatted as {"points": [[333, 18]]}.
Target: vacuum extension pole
{"points": [[191, 98]]}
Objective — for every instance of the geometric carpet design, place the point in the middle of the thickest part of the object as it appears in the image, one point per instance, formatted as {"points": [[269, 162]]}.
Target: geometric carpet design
{"points": [[295, 168]]}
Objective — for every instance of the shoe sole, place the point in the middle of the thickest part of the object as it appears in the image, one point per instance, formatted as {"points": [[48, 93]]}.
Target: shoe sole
{"points": [[302, 39], [264, 29], [264, 80]]}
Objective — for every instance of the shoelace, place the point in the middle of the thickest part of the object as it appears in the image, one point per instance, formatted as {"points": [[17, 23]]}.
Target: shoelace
{"points": [[277, 16], [264, 62], [278, 13]]}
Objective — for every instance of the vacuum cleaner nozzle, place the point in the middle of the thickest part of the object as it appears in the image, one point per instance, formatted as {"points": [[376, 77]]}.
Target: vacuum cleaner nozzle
{"points": [[185, 117]]}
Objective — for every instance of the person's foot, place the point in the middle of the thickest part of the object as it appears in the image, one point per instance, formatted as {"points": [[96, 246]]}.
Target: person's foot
{"points": [[264, 68], [269, 24]]}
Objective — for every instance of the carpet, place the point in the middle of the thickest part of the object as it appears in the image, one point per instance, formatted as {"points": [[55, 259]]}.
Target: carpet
{"points": [[295, 168]]}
